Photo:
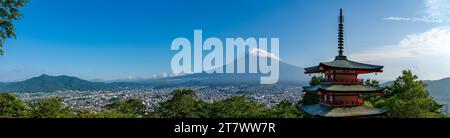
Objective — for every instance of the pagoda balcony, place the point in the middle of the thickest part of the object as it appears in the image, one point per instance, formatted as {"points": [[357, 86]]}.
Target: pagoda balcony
{"points": [[342, 103], [342, 81]]}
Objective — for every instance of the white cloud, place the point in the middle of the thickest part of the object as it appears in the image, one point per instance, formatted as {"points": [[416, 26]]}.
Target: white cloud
{"points": [[131, 78], [437, 11], [263, 53], [427, 54], [394, 18]]}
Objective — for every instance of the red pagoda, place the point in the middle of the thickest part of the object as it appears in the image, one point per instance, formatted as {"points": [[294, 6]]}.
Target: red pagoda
{"points": [[340, 89]]}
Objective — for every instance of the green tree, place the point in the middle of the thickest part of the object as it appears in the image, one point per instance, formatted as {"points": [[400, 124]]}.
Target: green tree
{"points": [[315, 80], [370, 82], [104, 114], [9, 12], [284, 109], [311, 98], [85, 113], [10, 106], [48, 108], [236, 107], [183, 104], [408, 98], [370, 98], [129, 106]]}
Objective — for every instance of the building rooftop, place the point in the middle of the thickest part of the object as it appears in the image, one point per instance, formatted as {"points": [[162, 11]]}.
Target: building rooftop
{"points": [[329, 111], [345, 64], [343, 88]]}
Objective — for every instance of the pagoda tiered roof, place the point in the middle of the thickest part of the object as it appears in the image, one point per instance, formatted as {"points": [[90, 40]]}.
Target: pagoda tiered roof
{"points": [[336, 88], [323, 110], [343, 64]]}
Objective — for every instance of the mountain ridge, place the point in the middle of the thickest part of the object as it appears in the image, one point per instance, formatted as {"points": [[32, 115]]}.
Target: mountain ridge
{"points": [[47, 83]]}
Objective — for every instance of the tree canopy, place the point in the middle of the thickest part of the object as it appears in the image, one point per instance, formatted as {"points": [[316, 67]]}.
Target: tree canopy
{"points": [[183, 104], [311, 98], [9, 12], [48, 108], [407, 97], [186, 104], [128, 106], [236, 107], [10, 106]]}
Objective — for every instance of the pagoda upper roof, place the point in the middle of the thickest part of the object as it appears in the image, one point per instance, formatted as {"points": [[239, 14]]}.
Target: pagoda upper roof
{"points": [[343, 88], [345, 64], [347, 111]]}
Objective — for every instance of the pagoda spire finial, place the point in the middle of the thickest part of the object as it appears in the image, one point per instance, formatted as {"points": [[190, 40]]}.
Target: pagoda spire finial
{"points": [[341, 37]]}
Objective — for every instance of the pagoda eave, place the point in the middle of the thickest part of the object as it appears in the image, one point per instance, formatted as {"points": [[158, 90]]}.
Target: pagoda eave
{"points": [[312, 72], [322, 91], [350, 92], [343, 88], [324, 68], [321, 110]]}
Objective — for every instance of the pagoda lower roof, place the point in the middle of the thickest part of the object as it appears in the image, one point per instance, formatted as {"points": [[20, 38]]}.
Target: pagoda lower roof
{"points": [[322, 110], [345, 64], [343, 88]]}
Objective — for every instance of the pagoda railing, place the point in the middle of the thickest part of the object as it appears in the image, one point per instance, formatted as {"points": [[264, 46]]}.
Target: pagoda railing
{"points": [[345, 81], [343, 103]]}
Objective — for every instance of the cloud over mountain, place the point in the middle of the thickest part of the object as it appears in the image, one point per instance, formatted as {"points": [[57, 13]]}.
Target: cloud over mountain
{"points": [[263, 53]]}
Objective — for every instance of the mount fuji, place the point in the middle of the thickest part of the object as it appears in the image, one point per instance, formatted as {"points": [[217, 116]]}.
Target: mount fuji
{"points": [[288, 74]]}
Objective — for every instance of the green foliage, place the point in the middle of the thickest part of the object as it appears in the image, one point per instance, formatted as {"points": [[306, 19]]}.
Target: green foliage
{"points": [[370, 82], [105, 114], [129, 106], [10, 106], [369, 99], [408, 98], [284, 109], [9, 12], [48, 108], [315, 80], [407, 86], [85, 113], [236, 107], [310, 98], [380, 103], [183, 104]]}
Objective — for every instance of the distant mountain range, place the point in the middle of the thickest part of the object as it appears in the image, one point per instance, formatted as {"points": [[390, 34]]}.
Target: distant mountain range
{"points": [[46, 83], [288, 74], [439, 88]]}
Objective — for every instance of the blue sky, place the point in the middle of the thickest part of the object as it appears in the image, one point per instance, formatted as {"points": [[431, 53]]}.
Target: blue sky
{"points": [[116, 39]]}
